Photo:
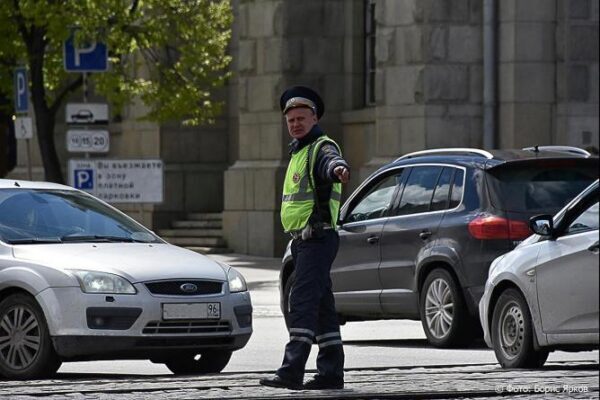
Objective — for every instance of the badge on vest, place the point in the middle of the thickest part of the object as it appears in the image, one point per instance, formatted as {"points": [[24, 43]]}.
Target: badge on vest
{"points": [[296, 177]]}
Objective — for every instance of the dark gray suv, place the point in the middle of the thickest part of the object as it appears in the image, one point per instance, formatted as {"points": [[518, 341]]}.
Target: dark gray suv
{"points": [[418, 236]]}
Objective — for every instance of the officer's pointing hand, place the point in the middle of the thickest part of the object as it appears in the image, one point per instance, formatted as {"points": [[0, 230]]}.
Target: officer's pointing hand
{"points": [[342, 173]]}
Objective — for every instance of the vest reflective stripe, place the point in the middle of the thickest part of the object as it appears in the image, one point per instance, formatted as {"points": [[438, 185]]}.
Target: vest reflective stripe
{"points": [[298, 199], [309, 196]]}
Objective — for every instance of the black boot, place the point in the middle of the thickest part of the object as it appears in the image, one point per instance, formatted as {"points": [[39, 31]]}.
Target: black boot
{"points": [[278, 382], [320, 383]]}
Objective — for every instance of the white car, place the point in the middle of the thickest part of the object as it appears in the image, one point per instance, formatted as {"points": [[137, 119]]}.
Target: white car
{"points": [[80, 280], [543, 295]]}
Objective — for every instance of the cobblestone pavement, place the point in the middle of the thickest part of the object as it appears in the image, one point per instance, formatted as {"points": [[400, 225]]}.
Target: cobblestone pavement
{"points": [[557, 380]]}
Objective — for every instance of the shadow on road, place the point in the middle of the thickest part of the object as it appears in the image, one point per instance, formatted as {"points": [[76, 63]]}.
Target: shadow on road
{"points": [[412, 343]]}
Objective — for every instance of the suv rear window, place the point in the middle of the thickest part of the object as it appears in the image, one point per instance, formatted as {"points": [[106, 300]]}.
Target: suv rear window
{"points": [[543, 186]]}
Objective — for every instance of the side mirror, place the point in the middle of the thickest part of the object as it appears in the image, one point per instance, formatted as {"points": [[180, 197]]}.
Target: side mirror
{"points": [[542, 225]]}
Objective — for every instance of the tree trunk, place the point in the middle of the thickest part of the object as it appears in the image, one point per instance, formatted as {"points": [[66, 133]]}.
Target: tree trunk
{"points": [[44, 115]]}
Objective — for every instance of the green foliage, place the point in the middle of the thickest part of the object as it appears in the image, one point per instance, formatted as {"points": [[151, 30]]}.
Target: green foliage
{"points": [[169, 53]]}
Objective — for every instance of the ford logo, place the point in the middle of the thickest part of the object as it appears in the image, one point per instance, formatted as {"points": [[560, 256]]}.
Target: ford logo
{"points": [[188, 288]]}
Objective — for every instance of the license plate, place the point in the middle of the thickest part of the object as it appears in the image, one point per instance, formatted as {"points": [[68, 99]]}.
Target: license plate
{"points": [[191, 311]]}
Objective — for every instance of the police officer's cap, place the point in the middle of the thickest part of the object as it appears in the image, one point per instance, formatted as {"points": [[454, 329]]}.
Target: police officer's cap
{"points": [[302, 96]]}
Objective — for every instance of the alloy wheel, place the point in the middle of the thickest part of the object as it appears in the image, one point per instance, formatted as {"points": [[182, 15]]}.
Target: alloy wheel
{"points": [[20, 337], [511, 330], [439, 308]]}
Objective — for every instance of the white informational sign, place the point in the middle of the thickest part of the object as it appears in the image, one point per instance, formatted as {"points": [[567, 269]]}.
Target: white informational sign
{"points": [[23, 128], [86, 113], [88, 141], [119, 181]]}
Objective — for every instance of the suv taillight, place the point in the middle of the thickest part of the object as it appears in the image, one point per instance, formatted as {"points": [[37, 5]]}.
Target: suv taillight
{"points": [[493, 227]]}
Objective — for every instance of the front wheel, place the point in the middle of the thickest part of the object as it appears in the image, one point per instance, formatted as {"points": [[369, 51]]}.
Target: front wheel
{"points": [[208, 362], [512, 333], [26, 350], [444, 314]]}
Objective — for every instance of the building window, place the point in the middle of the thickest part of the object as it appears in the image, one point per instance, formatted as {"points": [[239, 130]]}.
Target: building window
{"points": [[370, 52]]}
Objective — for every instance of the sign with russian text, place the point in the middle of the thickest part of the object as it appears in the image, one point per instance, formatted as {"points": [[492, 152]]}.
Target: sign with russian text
{"points": [[119, 181]]}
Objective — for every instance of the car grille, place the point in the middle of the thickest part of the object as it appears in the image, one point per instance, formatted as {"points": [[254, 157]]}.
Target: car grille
{"points": [[186, 327], [176, 287], [183, 342]]}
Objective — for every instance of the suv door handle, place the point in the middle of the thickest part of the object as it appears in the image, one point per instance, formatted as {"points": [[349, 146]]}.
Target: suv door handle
{"points": [[594, 248], [373, 239], [426, 234]]}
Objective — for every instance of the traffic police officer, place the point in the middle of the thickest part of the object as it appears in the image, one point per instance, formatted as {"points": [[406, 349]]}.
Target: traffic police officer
{"points": [[309, 212]]}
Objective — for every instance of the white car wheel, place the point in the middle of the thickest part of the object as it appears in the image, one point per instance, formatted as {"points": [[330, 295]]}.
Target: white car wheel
{"points": [[512, 333], [26, 351]]}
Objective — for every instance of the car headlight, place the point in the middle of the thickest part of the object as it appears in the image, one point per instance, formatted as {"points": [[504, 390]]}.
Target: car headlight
{"points": [[237, 283], [103, 282]]}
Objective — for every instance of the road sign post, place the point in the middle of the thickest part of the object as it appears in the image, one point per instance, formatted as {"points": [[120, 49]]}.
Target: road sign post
{"points": [[21, 91], [88, 141], [91, 57], [23, 125], [119, 181], [24, 131], [84, 58]]}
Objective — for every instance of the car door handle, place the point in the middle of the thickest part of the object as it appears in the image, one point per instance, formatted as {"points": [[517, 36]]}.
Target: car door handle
{"points": [[426, 234], [593, 248], [373, 239]]}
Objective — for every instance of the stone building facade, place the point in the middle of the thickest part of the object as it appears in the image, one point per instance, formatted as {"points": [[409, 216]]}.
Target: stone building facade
{"points": [[396, 76], [427, 91]]}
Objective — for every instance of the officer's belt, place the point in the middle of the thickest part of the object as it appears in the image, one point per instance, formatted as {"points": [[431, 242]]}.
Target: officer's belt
{"points": [[298, 234]]}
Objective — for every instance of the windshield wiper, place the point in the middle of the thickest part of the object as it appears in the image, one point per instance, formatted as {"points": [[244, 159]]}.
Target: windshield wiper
{"points": [[96, 238], [35, 241]]}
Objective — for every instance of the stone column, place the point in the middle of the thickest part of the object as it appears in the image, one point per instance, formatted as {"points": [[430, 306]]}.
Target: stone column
{"points": [[281, 43], [429, 77], [527, 72], [577, 73]]}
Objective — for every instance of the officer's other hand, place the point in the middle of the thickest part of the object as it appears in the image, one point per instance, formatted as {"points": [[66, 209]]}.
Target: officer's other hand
{"points": [[342, 174]]}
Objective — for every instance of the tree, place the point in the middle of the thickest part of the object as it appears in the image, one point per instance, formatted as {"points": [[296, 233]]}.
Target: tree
{"points": [[171, 54]]}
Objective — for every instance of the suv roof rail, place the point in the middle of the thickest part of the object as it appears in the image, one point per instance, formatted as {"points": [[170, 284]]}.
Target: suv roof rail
{"points": [[559, 149], [455, 150]]}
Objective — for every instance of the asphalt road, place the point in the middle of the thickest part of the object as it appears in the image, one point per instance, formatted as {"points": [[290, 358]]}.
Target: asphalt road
{"points": [[373, 344], [384, 360]]}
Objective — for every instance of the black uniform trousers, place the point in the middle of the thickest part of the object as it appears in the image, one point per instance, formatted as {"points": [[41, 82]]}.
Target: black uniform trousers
{"points": [[312, 315]]}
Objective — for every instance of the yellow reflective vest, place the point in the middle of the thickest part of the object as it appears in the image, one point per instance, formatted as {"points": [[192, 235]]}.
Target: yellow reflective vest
{"points": [[298, 198]]}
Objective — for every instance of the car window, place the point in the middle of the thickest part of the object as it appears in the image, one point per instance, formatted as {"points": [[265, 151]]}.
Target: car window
{"points": [[542, 187], [62, 214], [418, 191], [376, 202], [587, 221], [442, 190], [457, 188]]}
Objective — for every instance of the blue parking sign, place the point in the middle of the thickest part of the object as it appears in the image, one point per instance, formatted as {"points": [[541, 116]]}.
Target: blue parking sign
{"points": [[83, 179], [21, 90], [91, 57]]}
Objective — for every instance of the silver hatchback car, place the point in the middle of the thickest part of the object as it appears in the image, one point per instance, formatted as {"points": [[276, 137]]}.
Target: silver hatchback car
{"points": [[80, 280], [543, 295]]}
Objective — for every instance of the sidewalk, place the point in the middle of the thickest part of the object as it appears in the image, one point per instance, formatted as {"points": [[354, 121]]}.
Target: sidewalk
{"points": [[246, 261], [484, 381]]}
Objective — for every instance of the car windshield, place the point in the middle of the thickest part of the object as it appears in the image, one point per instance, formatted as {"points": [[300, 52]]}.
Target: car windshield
{"points": [[58, 216], [541, 187]]}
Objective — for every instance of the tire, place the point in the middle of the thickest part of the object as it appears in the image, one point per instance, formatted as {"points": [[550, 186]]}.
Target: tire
{"points": [[444, 314], [26, 350], [287, 291], [208, 362], [512, 333]]}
